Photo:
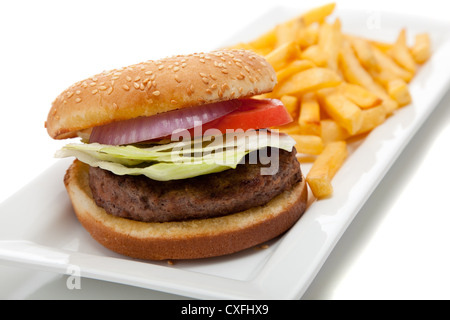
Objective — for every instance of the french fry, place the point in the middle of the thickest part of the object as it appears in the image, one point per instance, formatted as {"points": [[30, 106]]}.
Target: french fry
{"points": [[290, 128], [264, 43], [288, 31], [282, 55], [371, 118], [364, 53], [308, 144], [383, 46], [329, 42], [291, 104], [325, 167], [318, 14], [399, 91], [309, 118], [401, 53], [389, 68], [331, 131], [354, 73], [341, 109], [421, 50], [308, 80], [308, 36], [316, 55], [294, 67], [362, 97]]}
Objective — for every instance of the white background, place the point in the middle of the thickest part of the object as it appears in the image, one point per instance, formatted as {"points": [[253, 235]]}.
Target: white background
{"points": [[396, 248]]}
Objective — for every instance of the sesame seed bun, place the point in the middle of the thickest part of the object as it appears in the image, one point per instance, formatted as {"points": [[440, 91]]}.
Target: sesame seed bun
{"points": [[153, 87], [190, 239]]}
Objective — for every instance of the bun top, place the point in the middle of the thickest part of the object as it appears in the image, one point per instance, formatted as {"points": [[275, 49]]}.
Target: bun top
{"points": [[153, 87]]}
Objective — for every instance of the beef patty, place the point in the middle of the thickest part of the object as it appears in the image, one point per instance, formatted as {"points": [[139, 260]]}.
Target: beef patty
{"points": [[143, 199]]}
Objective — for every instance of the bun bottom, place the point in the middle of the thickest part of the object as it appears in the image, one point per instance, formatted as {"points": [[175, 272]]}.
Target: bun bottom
{"points": [[191, 239]]}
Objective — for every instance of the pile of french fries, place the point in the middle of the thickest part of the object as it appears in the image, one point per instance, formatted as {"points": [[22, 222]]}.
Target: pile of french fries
{"points": [[336, 86]]}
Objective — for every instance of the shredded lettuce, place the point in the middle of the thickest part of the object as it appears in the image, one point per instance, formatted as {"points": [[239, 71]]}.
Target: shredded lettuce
{"points": [[177, 160]]}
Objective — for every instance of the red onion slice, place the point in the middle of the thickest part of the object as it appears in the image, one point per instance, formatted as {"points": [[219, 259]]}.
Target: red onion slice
{"points": [[160, 125]]}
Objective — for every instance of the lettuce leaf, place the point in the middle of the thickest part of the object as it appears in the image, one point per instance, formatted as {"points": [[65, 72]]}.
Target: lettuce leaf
{"points": [[177, 160]]}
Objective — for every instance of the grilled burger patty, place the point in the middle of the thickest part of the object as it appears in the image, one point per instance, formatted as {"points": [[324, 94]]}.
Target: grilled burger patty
{"points": [[143, 199]]}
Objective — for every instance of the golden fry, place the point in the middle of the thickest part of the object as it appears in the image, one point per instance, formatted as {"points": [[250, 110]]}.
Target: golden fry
{"points": [[354, 73], [291, 104], [308, 144], [342, 110], [294, 67], [282, 55], [371, 118], [308, 36], [288, 31], [399, 91], [364, 53], [421, 50], [316, 55], [309, 118], [331, 131], [318, 14], [401, 53], [362, 97], [389, 69], [325, 167], [330, 39], [309, 80]]}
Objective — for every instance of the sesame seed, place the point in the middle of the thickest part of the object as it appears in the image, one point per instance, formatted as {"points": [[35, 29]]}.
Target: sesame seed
{"points": [[156, 93], [224, 71], [209, 91], [203, 75], [213, 77], [128, 78], [160, 67], [176, 69], [94, 91], [177, 79], [148, 72], [115, 78], [69, 94], [136, 85], [173, 101], [125, 87], [137, 78], [103, 88], [78, 100], [78, 92], [110, 90], [205, 80]]}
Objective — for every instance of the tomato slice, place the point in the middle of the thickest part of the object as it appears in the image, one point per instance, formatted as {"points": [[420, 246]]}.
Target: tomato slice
{"points": [[252, 114]]}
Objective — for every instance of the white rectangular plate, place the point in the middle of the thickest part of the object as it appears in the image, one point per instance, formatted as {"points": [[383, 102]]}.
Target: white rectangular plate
{"points": [[39, 229]]}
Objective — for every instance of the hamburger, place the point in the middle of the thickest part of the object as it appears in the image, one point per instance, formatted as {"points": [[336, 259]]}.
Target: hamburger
{"points": [[177, 159]]}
